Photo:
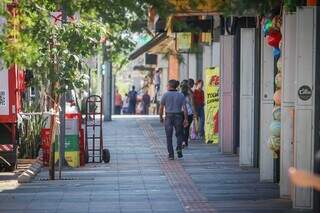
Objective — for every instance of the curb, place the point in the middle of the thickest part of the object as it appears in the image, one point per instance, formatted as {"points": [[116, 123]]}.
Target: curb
{"points": [[32, 171]]}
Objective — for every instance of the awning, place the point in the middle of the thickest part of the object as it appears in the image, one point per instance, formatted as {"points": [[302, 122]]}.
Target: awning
{"points": [[160, 39]]}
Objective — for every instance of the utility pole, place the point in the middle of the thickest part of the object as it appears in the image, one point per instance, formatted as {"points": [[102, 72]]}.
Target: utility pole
{"points": [[62, 106], [107, 85]]}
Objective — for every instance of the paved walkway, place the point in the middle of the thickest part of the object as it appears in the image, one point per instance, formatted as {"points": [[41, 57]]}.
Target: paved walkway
{"points": [[139, 178]]}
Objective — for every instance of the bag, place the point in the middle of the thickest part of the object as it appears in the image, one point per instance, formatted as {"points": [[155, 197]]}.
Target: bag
{"points": [[194, 129], [196, 124]]}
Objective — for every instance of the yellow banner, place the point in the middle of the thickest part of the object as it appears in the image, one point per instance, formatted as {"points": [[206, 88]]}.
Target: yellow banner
{"points": [[212, 89]]}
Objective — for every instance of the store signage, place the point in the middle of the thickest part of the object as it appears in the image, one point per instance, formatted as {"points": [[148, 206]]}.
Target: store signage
{"points": [[305, 92]]}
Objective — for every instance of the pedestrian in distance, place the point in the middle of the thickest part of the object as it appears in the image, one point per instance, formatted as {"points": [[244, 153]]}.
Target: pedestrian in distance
{"points": [[132, 100], [199, 105], [172, 102], [146, 100], [186, 91], [191, 84], [118, 103], [157, 80]]}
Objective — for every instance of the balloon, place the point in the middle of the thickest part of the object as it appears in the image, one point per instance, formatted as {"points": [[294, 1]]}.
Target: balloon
{"points": [[276, 113], [274, 145], [276, 53], [278, 80], [275, 128], [277, 22], [267, 26], [277, 98], [274, 37], [279, 64]]}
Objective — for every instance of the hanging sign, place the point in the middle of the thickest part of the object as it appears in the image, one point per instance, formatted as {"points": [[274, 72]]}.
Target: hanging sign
{"points": [[4, 93], [212, 88], [305, 92], [184, 41]]}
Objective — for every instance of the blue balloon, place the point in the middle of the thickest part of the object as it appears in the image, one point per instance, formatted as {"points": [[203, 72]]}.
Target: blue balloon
{"points": [[276, 53]]}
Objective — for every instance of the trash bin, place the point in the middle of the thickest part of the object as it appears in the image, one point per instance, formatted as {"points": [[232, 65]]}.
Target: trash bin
{"points": [[72, 140]]}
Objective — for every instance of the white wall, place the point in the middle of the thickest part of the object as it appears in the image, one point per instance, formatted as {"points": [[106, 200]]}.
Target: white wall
{"points": [[192, 66], [184, 67]]}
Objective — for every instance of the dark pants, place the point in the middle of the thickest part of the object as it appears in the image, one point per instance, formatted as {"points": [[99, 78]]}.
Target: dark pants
{"points": [[117, 110], [174, 121], [146, 109], [200, 111], [186, 130], [132, 108]]}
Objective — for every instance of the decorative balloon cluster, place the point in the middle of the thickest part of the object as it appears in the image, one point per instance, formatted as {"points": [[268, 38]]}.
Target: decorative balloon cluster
{"points": [[272, 31]]}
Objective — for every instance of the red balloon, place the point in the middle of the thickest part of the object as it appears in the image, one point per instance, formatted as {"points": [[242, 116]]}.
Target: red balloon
{"points": [[274, 37]]}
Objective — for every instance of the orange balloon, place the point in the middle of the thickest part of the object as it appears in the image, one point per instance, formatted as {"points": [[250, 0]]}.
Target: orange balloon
{"points": [[277, 98]]}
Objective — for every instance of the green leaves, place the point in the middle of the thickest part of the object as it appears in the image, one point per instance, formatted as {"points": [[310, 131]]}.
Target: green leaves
{"points": [[58, 52]]}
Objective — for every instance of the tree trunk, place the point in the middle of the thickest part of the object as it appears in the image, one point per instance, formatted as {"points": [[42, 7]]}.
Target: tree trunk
{"points": [[53, 128]]}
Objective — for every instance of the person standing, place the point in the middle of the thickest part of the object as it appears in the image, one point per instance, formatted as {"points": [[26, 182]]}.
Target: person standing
{"points": [[118, 103], [146, 100], [132, 100], [172, 102], [199, 105], [157, 80], [186, 91]]}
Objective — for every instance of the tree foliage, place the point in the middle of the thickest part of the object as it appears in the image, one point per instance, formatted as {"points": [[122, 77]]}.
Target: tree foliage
{"points": [[261, 7], [58, 52]]}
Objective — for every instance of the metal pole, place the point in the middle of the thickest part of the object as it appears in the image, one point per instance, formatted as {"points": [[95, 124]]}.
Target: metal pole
{"points": [[63, 109], [107, 87], [89, 92]]}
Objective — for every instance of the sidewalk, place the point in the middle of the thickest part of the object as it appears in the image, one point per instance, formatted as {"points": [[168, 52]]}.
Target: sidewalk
{"points": [[139, 178]]}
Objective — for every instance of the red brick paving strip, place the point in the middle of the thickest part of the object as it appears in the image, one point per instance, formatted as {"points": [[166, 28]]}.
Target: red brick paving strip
{"points": [[180, 181]]}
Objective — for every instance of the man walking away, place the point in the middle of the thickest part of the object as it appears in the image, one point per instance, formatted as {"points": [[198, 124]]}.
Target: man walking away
{"points": [[118, 103], [173, 101], [146, 102], [132, 101]]}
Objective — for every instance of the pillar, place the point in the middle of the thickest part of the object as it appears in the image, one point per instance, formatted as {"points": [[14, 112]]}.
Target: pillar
{"points": [[266, 107], [226, 103], [288, 100], [304, 101], [247, 97]]}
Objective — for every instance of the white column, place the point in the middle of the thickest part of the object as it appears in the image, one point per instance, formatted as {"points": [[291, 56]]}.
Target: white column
{"points": [[107, 91], [288, 100], [184, 67], [304, 113], [266, 107], [247, 68], [226, 103], [163, 64], [207, 59], [192, 66], [215, 54]]}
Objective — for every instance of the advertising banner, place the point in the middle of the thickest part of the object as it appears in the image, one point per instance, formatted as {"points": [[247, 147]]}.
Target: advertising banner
{"points": [[212, 88]]}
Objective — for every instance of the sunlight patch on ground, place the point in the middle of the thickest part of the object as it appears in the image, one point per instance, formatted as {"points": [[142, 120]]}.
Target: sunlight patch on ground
{"points": [[120, 117], [6, 185]]}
